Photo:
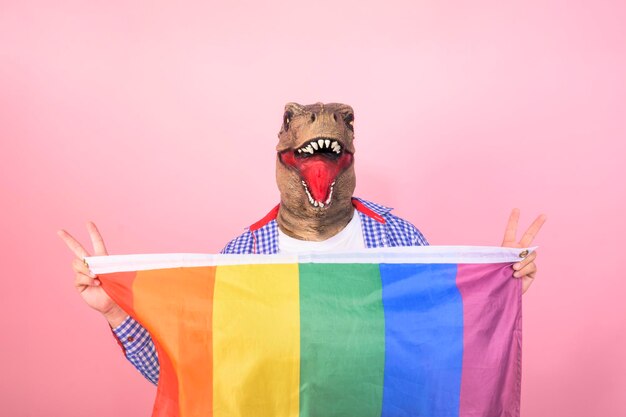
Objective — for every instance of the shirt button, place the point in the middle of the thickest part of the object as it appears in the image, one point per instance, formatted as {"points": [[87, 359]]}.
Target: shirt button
{"points": [[130, 339]]}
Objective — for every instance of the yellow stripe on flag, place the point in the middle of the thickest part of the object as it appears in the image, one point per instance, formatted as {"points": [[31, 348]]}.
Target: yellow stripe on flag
{"points": [[256, 345]]}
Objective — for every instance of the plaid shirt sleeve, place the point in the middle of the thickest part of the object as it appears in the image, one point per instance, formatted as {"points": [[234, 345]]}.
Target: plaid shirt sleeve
{"points": [[138, 348], [403, 232]]}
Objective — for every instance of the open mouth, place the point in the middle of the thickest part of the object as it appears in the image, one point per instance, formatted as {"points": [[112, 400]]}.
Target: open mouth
{"points": [[318, 162]]}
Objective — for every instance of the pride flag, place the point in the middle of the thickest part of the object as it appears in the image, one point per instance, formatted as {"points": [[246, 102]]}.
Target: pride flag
{"points": [[415, 331]]}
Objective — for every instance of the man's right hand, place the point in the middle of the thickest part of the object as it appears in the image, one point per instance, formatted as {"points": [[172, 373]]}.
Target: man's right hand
{"points": [[88, 284]]}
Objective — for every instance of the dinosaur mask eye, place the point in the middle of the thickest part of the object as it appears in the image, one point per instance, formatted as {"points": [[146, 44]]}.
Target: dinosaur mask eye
{"points": [[349, 119], [286, 120]]}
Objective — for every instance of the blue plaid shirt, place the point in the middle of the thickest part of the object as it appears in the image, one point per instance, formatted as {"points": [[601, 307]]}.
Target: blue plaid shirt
{"points": [[380, 229]]}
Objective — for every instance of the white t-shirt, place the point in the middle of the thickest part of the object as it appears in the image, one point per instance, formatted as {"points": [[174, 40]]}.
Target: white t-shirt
{"points": [[350, 238]]}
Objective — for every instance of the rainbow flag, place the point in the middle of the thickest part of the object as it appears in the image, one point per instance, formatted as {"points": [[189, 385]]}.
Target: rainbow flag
{"points": [[416, 331]]}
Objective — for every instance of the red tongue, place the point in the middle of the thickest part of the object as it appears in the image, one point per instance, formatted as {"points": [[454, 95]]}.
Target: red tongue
{"points": [[318, 173]]}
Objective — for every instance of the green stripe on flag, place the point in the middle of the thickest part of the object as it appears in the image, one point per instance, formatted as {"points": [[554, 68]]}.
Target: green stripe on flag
{"points": [[342, 340]]}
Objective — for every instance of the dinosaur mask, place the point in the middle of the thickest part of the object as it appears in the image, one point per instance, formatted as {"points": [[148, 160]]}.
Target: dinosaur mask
{"points": [[315, 157]]}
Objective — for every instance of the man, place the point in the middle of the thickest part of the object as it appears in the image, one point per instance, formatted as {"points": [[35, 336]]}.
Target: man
{"points": [[317, 212]]}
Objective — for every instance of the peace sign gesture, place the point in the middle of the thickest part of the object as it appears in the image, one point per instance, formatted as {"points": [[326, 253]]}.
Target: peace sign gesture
{"points": [[88, 284], [525, 269]]}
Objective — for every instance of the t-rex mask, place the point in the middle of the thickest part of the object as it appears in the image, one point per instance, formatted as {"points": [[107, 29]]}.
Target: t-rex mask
{"points": [[315, 170]]}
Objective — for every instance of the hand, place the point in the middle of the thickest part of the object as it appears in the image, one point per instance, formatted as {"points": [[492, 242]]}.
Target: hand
{"points": [[88, 284], [525, 269]]}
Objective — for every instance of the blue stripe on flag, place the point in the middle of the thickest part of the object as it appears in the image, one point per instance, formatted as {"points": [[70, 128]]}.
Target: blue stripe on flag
{"points": [[423, 340]]}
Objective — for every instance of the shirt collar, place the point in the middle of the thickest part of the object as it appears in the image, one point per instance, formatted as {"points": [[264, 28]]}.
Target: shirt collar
{"points": [[373, 210]]}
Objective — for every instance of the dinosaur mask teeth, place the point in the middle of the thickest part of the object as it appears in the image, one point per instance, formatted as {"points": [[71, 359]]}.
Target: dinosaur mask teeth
{"points": [[321, 145]]}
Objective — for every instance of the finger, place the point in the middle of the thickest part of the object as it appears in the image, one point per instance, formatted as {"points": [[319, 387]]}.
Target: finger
{"points": [[532, 231], [511, 227], [530, 258], [73, 244], [81, 268], [96, 239], [81, 281], [528, 270], [526, 283]]}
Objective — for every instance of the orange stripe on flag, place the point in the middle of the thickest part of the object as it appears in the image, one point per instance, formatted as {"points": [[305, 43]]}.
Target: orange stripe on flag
{"points": [[179, 302], [118, 286]]}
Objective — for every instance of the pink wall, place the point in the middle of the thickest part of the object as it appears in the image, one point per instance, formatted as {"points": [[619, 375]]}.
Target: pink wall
{"points": [[159, 122]]}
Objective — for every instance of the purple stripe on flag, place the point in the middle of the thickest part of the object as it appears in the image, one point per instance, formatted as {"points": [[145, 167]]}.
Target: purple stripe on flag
{"points": [[492, 312]]}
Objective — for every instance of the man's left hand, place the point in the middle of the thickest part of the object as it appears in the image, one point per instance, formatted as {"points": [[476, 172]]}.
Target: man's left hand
{"points": [[526, 270]]}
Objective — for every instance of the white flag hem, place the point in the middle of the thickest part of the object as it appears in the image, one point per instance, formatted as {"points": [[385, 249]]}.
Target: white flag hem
{"points": [[396, 255]]}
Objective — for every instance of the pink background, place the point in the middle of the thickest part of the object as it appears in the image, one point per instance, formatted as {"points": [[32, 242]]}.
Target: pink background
{"points": [[158, 121]]}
